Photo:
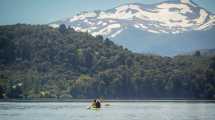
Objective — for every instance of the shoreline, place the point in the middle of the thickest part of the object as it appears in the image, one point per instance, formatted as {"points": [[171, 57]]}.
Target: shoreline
{"points": [[108, 100]]}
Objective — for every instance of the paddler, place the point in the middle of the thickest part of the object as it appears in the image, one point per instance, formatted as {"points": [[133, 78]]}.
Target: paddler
{"points": [[98, 103], [93, 105]]}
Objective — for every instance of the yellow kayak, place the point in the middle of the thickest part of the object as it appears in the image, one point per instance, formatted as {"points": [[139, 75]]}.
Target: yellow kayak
{"points": [[93, 108]]}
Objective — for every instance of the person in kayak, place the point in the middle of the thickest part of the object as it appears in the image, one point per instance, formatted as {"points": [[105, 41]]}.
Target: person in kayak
{"points": [[95, 104], [98, 103]]}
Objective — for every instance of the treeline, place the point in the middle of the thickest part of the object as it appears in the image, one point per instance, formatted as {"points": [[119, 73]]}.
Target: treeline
{"points": [[37, 61]]}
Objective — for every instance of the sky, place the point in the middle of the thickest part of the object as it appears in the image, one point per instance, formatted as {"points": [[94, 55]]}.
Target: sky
{"points": [[46, 11]]}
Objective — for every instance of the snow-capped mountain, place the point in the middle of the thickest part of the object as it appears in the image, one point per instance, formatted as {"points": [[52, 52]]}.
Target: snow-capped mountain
{"points": [[162, 19], [167, 17]]}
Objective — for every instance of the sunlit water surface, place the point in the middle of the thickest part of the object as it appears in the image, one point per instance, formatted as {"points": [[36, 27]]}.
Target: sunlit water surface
{"points": [[117, 111]]}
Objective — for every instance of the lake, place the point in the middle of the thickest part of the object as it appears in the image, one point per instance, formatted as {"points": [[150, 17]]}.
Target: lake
{"points": [[117, 111]]}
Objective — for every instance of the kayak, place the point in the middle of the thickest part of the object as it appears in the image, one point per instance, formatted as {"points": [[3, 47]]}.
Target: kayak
{"points": [[93, 108]]}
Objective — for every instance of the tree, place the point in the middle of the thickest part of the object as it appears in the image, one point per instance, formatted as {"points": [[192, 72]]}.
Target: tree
{"points": [[62, 28], [212, 64], [108, 42], [1, 92], [16, 91], [7, 49], [197, 53]]}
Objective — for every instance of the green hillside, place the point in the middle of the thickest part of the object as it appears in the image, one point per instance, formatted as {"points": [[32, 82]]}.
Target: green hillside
{"points": [[37, 61]]}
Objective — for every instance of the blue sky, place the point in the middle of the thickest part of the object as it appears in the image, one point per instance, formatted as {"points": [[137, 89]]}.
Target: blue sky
{"points": [[45, 11]]}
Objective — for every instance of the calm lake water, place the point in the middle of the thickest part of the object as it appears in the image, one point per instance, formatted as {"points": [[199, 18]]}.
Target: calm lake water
{"points": [[117, 111]]}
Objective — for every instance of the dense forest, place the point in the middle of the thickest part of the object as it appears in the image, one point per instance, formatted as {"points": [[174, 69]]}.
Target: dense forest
{"points": [[37, 61]]}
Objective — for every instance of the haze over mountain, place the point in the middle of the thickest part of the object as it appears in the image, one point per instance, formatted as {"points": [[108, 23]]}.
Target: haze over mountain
{"points": [[166, 28]]}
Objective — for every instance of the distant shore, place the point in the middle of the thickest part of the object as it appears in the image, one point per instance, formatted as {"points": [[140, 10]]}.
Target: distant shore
{"points": [[108, 100]]}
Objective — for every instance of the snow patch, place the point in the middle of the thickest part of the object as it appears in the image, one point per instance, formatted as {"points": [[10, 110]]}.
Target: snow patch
{"points": [[143, 26], [136, 26], [83, 16], [182, 7], [111, 21], [153, 31], [54, 25], [124, 8], [104, 23], [116, 33], [208, 24], [99, 23], [187, 2], [202, 17], [106, 30]]}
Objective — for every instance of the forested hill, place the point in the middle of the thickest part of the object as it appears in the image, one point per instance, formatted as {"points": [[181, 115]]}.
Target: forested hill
{"points": [[37, 61]]}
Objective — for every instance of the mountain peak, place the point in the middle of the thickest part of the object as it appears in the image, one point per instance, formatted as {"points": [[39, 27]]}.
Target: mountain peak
{"points": [[185, 1], [167, 17], [165, 28], [189, 2]]}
